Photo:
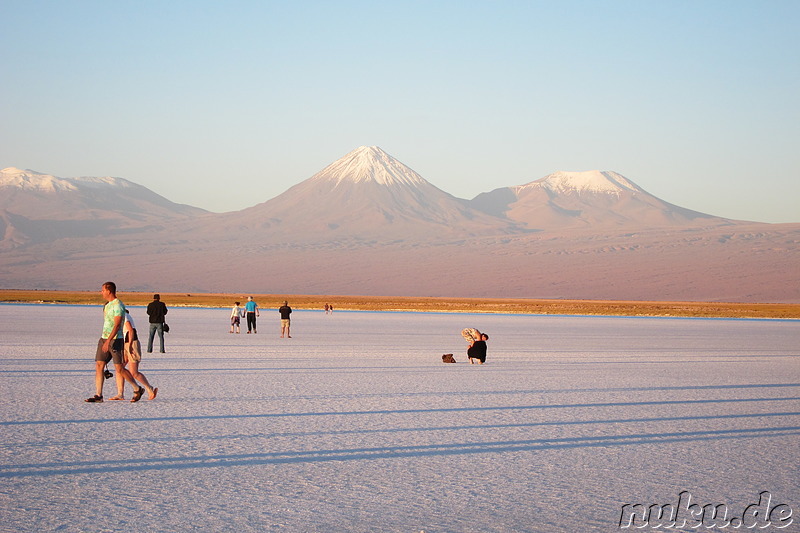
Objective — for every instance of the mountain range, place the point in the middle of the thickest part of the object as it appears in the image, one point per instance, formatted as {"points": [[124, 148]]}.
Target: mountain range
{"points": [[368, 224]]}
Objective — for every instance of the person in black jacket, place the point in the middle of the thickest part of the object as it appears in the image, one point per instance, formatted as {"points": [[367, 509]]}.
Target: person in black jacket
{"points": [[477, 350], [157, 312], [286, 322]]}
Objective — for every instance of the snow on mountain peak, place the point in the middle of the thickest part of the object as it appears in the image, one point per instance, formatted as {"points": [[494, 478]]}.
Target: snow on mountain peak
{"points": [[106, 181], [369, 164], [33, 181], [591, 181], [36, 181]]}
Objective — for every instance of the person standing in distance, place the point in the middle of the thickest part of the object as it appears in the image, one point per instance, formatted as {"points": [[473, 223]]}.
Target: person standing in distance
{"points": [[251, 310], [237, 313], [285, 311], [111, 344], [157, 312]]}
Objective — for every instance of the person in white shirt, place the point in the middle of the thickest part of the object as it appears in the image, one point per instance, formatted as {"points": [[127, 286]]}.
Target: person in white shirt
{"points": [[133, 355], [237, 314]]}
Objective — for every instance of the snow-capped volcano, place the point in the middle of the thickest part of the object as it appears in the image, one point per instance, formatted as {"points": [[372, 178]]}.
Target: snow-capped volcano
{"points": [[367, 193], [585, 199], [369, 164]]}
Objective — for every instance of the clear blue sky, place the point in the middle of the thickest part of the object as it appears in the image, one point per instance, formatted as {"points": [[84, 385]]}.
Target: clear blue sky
{"points": [[224, 105]]}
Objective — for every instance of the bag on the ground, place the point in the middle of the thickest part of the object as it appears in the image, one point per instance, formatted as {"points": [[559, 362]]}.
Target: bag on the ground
{"points": [[448, 358]]}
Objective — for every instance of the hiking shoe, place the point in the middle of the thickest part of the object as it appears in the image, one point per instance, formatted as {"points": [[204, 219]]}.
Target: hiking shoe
{"points": [[94, 399], [108, 374], [137, 395]]}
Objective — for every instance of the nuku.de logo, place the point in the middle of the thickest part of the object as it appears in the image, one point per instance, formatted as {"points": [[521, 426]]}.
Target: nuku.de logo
{"points": [[691, 515]]}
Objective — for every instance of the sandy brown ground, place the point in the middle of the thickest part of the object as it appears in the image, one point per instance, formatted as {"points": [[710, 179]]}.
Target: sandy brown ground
{"points": [[453, 305]]}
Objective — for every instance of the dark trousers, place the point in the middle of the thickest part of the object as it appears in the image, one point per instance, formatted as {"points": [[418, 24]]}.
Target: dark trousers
{"points": [[251, 321], [153, 329]]}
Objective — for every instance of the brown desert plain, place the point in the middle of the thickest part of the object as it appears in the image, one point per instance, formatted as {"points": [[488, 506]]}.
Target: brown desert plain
{"points": [[423, 304]]}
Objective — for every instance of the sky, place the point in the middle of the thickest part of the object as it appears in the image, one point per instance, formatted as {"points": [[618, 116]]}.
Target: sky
{"points": [[224, 105]]}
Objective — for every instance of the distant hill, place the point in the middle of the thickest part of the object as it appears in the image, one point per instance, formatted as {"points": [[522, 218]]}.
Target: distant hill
{"points": [[36, 208], [586, 199]]}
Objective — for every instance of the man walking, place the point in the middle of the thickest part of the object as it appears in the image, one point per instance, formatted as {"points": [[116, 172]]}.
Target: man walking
{"points": [[157, 312], [285, 311], [110, 346]]}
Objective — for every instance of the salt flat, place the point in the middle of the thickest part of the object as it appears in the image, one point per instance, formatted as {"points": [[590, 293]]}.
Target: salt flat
{"points": [[356, 425]]}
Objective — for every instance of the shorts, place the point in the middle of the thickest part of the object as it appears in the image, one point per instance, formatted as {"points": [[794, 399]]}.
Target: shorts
{"points": [[285, 322], [133, 351], [235, 320], [115, 354]]}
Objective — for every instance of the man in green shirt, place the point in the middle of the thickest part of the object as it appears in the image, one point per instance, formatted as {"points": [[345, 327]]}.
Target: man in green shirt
{"points": [[111, 344]]}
